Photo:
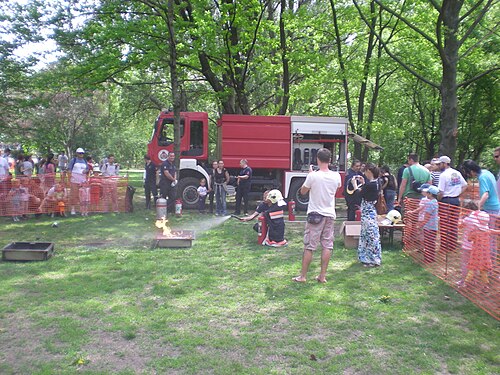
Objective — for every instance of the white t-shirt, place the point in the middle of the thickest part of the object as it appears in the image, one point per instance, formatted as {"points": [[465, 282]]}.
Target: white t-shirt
{"points": [[451, 182], [323, 187], [4, 167], [202, 191], [78, 172], [110, 169], [62, 161]]}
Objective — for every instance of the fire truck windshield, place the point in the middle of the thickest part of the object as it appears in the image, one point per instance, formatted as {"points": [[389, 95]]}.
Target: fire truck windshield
{"points": [[165, 131]]}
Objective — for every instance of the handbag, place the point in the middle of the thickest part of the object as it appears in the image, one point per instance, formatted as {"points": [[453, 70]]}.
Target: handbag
{"points": [[381, 205], [314, 218]]}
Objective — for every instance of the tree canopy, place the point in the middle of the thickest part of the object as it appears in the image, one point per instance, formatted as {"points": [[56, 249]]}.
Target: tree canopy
{"points": [[418, 74]]}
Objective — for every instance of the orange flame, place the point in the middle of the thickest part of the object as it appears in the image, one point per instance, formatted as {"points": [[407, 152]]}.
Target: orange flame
{"points": [[162, 224]]}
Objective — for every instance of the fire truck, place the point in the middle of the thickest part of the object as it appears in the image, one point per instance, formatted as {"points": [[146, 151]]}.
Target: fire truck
{"points": [[279, 149]]}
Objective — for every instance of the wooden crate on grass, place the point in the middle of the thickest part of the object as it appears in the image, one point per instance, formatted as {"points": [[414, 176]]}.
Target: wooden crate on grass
{"points": [[28, 251]]}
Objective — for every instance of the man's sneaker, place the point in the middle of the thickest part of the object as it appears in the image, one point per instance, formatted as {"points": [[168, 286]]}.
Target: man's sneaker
{"points": [[73, 212]]}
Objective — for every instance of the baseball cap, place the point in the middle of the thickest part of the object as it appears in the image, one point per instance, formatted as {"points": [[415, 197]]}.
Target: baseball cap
{"points": [[445, 159], [430, 189], [80, 150], [435, 161]]}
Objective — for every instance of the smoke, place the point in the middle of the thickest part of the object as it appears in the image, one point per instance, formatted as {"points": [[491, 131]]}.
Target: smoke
{"points": [[206, 224]]}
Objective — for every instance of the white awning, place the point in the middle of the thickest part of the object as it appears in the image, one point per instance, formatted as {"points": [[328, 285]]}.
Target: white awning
{"points": [[365, 142]]}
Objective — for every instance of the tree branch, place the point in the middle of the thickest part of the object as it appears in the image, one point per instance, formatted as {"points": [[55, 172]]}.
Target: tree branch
{"points": [[475, 78], [475, 23], [397, 59], [406, 22]]}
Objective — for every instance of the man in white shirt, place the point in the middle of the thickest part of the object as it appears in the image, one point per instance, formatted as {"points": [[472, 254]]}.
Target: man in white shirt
{"points": [[322, 186], [4, 174], [4, 167], [451, 186]]}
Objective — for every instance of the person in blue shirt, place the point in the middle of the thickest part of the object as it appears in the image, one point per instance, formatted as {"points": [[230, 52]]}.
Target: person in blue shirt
{"points": [[488, 195]]}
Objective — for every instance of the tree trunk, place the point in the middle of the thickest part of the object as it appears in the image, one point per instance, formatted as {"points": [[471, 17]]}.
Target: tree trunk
{"points": [[450, 14], [174, 79], [284, 62]]}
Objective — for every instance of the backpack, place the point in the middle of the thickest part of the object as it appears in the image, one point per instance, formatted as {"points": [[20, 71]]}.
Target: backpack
{"points": [[414, 184]]}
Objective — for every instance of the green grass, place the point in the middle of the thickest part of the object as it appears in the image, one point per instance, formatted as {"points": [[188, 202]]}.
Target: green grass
{"points": [[108, 303]]}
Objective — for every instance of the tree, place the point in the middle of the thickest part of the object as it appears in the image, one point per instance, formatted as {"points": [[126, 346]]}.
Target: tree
{"points": [[458, 30]]}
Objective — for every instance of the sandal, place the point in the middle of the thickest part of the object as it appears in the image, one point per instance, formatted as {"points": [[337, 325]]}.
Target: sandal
{"points": [[298, 279]]}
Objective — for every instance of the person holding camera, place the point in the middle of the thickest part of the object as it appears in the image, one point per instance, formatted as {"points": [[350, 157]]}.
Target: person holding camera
{"points": [[322, 186], [369, 248]]}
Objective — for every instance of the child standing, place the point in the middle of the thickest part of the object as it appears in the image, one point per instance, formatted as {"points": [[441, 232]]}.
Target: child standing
{"points": [[480, 258], [84, 194], [468, 223], [202, 194], [428, 218], [15, 197]]}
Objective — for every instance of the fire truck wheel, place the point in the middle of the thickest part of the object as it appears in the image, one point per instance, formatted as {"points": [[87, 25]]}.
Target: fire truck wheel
{"points": [[301, 201], [188, 191]]}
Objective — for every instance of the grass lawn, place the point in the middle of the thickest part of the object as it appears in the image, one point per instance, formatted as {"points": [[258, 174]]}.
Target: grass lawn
{"points": [[108, 303]]}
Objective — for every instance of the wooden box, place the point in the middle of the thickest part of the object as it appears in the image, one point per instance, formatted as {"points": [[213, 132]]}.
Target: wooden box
{"points": [[350, 231], [28, 251]]}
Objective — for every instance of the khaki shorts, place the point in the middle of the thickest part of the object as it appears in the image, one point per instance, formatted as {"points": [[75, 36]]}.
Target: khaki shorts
{"points": [[322, 233]]}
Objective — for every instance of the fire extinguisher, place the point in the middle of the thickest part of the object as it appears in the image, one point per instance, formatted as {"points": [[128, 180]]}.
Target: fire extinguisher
{"points": [[262, 232], [358, 215], [178, 207], [291, 210], [161, 208]]}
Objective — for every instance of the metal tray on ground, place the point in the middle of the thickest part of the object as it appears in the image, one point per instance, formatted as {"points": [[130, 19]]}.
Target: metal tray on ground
{"points": [[28, 251]]}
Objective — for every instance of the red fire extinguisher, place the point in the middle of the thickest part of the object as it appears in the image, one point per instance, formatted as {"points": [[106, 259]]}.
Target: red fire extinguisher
{"points": [[291, 210], [358, 215], [262, 232], [178, 207]]}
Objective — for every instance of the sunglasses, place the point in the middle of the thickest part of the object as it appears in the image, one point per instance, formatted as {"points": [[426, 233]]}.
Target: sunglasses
{"points": [[496, 156]]}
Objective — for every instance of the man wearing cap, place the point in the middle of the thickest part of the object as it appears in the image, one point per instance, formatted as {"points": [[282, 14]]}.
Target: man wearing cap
{"points": [[451, 186], [77, 169]]}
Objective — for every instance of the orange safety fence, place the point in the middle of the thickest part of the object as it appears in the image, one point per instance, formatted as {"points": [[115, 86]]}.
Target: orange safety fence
{"points": [[56, 195], [463, 251]]}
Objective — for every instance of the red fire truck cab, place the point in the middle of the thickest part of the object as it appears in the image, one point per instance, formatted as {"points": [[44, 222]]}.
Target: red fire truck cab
{"points": [[279, 149]]}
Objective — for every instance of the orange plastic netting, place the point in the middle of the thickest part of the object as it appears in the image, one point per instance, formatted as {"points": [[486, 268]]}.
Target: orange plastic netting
{"points": [[463, 251], [54, 194]]}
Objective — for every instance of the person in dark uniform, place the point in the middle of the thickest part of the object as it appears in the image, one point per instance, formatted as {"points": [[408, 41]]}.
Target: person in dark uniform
{"points": [[352, 196], [149, 181], [243, 189], [168, 181], [272, 210]]}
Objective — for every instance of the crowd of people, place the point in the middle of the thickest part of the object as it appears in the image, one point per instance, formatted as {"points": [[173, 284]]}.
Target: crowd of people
{"points": [[56, 185], [436, 185]]}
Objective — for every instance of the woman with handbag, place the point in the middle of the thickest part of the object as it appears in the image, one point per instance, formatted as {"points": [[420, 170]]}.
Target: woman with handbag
{"points": [[369, 248]]}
